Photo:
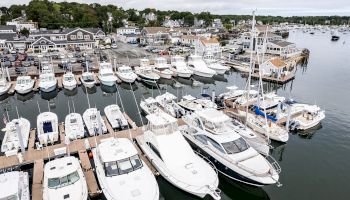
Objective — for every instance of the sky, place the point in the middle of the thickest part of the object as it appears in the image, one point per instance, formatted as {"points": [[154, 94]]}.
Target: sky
{"points": [[263, 7]]}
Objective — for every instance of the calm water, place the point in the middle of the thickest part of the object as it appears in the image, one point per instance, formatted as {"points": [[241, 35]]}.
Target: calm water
{"points": [[315, 165]]}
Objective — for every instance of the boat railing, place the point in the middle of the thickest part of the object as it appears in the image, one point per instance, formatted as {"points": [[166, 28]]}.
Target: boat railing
{"points": [[208, 161], [274, 164]]}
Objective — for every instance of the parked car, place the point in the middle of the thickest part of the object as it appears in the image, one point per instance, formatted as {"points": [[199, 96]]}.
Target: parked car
{"points": [[18, 63], [20, 70], [114, 46], [108, 46], [73, 60], [62, 56], [77, 48], [7, 64], [26, 63], [77, 55], [83, 64], [63, 64], [70, 55], [103, 57], [102, 47]]}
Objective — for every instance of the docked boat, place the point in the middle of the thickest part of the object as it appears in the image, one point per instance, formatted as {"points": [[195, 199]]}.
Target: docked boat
{"points": [[94, 122], [121, 173], [74, 126], [217, 122], [5, 85], [230, 153], [197, 65], [106, 74], [64, 179], [150, 106], [88, 79], [335, 36], [115, 117], [47, 128], [179, 67], [232, 93], [271, 100], [167, 102], [68, 81], [190, 103], [11, 140], [174, 159], [161, 67], [214, 64], [14, 185], [24, 84], [126, 74], [145, 71], [247, 100], [47, 79]]}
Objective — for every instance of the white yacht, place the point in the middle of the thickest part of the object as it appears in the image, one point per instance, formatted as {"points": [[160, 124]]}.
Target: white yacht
{"points": [[190, 103], [14, 186], [94, 122], [121, 172], [24, 84], [230, 153], [199, 67], [161, 67], [69, 82], [106, 74], [47, 79], [64, 179], [271, 100], [179, 67], [47, 128], [217, 122], [174, 159], [167, 102], [126, 74], [150, 106], [145, 71], [74, 126], [5, 85], [232, 94], [88, 79], [11, 140], [115, 117], [214, 64]]}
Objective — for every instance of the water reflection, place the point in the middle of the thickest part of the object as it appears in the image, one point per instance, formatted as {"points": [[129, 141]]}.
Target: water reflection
{"points": [[108, 89], [220, 78], [308, 134], [70, 92], [25, 97], [128, 86], [204, 80], [49, 95], [89, 90]]}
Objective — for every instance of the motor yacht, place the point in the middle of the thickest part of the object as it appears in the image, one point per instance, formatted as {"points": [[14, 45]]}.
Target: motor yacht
{"points": [[11, 140], [88, 79], [68, 81], [145, 71], [161, 67], [150, 106], [190, 103], [167, 102], [74, 126], [126, 74], [5, 84], [116, 117], [47, 79], [214, 64], [94, 122], [174, 159], [179, 67], [271, 100], [228, 150], [106, 74], [24, 84], [14, 185], [47, 128], [197, 65], [121, 173], [64, 179]]}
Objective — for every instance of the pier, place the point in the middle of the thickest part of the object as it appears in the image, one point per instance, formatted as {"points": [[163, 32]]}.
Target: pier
{"points": [[80, 147]]}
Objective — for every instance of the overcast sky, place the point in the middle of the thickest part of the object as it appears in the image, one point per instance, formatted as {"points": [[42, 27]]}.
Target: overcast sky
{"points": [[264, 7]]}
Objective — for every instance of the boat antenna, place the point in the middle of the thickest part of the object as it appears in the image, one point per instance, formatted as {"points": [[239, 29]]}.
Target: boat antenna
{"points": [[17, 112], [73, 105], [68, 107], [48, 105], [87, 97]]}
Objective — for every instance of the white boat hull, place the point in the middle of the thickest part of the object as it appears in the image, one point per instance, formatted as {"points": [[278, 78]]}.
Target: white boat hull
{"points": [[203, 74], [24, 90], [5, 89]]}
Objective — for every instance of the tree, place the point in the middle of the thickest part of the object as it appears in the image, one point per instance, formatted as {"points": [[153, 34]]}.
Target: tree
{"points": [[228, 26], [24, 32]]}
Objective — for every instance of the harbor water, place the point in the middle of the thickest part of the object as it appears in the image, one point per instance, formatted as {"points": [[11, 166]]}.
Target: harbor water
{"points": [[315, 164]]}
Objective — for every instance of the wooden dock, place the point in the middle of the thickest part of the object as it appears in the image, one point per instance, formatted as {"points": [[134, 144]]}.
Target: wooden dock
{"points": [[91, 181], [12, 88], [38, 176], [36, 86], [77, 78], [59, 82], [282, 80]]}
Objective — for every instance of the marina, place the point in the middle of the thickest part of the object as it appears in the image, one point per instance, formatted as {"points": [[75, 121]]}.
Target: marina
{"points": [[152, 104]]}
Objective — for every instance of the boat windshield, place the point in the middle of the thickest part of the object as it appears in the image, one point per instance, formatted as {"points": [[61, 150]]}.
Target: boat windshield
{"points": [[68, 78], [107, 74], [235, 146], [123, 166], [163, 129], [54, 183]]}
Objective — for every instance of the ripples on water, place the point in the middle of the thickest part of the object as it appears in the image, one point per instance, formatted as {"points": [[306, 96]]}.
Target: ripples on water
{"points": [[315, 164]]}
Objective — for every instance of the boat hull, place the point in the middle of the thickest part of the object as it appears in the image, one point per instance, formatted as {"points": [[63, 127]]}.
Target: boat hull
{"points": [[49, 88], [4, 90], [24, 90]]}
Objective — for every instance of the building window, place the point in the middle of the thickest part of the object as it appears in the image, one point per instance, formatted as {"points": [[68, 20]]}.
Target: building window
{"points": [[80, 35], [87, 37], [72, 37]]}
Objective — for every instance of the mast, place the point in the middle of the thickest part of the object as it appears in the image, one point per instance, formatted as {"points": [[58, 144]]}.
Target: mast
{"points": [[252, 37]]}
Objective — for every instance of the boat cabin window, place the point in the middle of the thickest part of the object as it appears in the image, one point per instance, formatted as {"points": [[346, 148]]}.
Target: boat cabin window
{"points": [[123, 166], [208, 141], [154, 149], [235, 146], [54, 183], [68, 78], [163, 129]]}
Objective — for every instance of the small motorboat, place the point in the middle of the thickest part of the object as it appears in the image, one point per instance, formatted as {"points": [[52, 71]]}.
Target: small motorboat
{"points": [[161, 67], [47, 128], [126, 74], [69, 82], [24, 84], [116, 117], [94, 122], [11, 140], [14, 185], [106, 74], [74, 126]]}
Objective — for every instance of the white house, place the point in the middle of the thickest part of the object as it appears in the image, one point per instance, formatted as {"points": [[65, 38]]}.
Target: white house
{"points": [[208, 46], [282, 48], [274, 67], [189, 40], [217, 23], [154, 35], [128, 30], [150, 16], [260, 33], [30, 25]]}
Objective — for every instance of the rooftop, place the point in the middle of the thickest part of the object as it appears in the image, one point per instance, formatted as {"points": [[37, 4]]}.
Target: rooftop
{"points": [[153, 30], [281, 43], [277, 62], [209, 41]]}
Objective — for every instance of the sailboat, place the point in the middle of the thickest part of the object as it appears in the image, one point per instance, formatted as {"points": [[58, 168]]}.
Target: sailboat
{"points": [[5, 84], [64, 179], [174, 159]]}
